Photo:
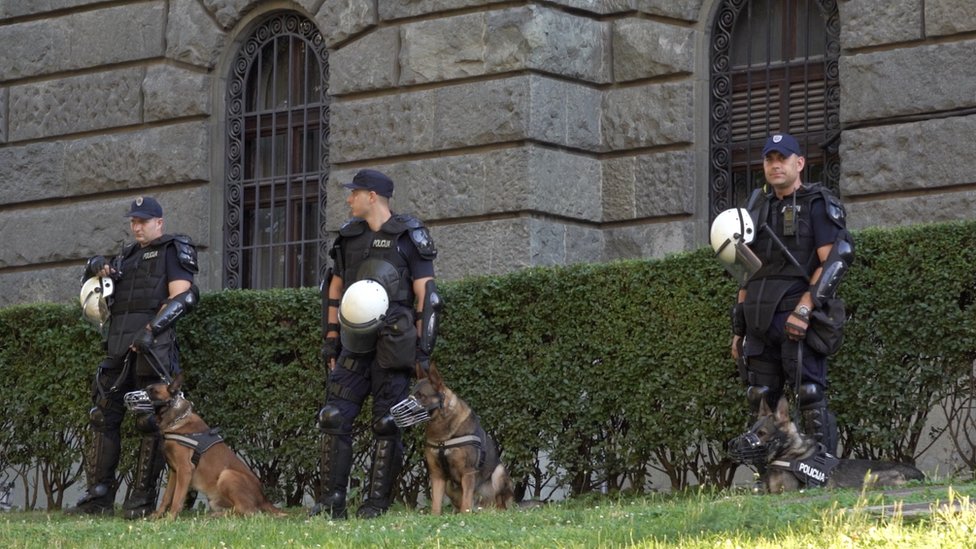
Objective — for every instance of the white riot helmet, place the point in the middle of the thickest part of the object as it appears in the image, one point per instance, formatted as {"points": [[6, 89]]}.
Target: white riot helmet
{"points": [[94, 299], [732, 231], [361, 313]]}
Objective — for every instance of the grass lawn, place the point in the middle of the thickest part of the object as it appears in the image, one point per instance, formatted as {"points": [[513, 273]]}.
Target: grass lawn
{"points": [[731, 519]]}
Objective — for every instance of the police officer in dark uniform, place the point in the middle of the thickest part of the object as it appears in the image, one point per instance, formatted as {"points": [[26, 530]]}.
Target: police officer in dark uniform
{"points": [[382, 321], [804, 248], [153, 287]]}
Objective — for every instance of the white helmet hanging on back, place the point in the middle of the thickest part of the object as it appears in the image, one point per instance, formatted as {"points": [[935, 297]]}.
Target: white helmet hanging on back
{"points": [[94, 299], [732, 231], [361, 313]]}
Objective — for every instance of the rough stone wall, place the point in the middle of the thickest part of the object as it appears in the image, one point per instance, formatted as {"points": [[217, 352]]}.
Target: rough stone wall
{"points": [[908, 103], [531, 132]]}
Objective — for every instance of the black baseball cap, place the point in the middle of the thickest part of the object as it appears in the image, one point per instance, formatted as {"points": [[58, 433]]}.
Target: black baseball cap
{"points": [[372, 180], [145, 207]]}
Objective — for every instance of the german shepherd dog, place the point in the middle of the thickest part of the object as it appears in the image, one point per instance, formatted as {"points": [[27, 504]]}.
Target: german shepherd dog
{"points": [[197, 456], [461, 457], [792, 460]]}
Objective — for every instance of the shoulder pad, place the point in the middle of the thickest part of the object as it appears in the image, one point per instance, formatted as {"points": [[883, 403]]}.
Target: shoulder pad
{"points": [[353, 227], [186, 252], [835, 210], [425, 244], [400, 223]]}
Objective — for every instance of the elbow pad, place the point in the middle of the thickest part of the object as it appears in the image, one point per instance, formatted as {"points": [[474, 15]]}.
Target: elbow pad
{"points": [[833, 270], [433, 305], [174, 309]]}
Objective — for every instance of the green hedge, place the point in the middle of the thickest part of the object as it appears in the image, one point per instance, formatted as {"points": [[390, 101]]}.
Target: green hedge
{"points": [[588, 376]]}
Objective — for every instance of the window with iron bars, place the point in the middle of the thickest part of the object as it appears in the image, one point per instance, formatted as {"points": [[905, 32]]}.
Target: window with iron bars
{"points": [[277, 161], [774, 68]]}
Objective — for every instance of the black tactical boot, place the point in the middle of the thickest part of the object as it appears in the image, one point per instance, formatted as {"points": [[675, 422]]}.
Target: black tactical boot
{"points": [[387, 457], [101, 456], [334, 466], [145, 483]]}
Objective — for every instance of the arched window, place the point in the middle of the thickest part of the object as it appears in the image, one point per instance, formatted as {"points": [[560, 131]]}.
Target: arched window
{"points": [[277, 157], [773, 68]]}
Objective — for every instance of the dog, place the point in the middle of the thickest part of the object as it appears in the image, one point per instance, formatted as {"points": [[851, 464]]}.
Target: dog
{"points": [[462, 459], [790, 460], [198, 457]]}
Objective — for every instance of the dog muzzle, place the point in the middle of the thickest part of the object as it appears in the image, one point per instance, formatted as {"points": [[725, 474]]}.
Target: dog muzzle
{"points": [[409, 412], [748, 449], [138, 401]]}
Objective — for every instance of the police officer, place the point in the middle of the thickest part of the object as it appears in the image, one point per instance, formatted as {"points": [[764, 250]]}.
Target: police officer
{"points": [[382, 321], [153, 287], [804, 249]]}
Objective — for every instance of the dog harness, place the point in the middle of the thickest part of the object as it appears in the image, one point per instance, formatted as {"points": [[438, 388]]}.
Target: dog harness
{"points": [[198, 442], [477, 439], [813, 471]]}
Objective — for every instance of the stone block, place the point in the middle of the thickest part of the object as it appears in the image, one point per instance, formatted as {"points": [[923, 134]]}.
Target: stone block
{"points": [[191, 35], [599, 7], [93, 227], [4, 109], [650, 240], [105, 163], [649, 115], [81, 103], [174, 92], [82, 40], [875, 22], [20, 8], [529, 37], [341, 19], [901, 157], [645, 49], [368, 63], [399, 9], [42, 284], [549, 41], [486, 183], [934, 207], [228, 12], [685, 10], [565, 113], [934, 77], [649, 185], [944, 17]]}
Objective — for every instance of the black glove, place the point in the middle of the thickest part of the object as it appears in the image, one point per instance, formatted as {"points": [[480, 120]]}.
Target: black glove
{"points": [[330, 350], [738, 320], [94, 266], [423, 360], [143, 341]]}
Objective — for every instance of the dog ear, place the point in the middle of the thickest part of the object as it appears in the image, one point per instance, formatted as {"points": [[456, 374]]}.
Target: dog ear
{"points": [[176, 385], [435, 377], [783, 410], [764, 409]]}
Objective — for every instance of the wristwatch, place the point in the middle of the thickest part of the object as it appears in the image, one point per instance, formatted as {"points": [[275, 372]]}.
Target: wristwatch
{"points": [[803, 311]]}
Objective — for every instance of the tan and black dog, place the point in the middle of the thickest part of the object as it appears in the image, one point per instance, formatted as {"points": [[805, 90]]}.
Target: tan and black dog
{"points": [[198, 457], [792, 460], [462, 459]]}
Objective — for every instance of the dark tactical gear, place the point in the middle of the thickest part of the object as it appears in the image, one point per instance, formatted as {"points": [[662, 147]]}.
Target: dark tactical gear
{"points": [[141, 290], [384, 373], [785, 243]]}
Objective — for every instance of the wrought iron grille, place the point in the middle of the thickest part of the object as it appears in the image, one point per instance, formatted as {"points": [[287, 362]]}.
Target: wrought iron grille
{"points": [[277, 157], [774, 67]]}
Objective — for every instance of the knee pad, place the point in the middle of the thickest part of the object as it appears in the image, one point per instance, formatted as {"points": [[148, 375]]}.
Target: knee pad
{"points": [[96, 418], [146, 423], [812, 396], [385, 427], [330, 420]]}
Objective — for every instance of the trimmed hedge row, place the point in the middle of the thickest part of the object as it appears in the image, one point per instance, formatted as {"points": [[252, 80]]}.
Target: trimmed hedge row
{"points": [[590, 377]]}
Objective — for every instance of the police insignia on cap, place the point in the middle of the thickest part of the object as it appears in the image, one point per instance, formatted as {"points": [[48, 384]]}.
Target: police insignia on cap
{"points": [[139, 201], [776, 139]]}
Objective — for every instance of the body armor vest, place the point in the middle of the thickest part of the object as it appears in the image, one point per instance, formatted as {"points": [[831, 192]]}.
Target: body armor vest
{"points": [[364, 254], [788, 221], [139, 292]]}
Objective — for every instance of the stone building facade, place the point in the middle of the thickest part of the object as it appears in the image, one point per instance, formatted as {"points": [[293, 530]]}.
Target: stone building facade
{"points": [[526, 132]]}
